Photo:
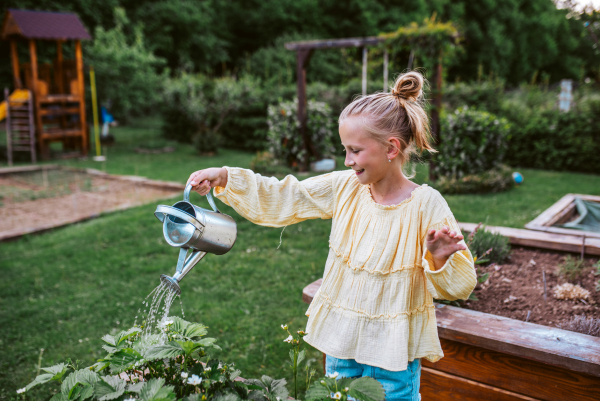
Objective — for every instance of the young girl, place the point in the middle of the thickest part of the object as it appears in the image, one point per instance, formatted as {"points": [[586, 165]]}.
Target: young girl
{"points": [[394, 245]]}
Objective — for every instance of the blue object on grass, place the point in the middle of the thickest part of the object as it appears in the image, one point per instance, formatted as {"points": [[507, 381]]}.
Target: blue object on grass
{"points": [[106, 116], [517, 177]]}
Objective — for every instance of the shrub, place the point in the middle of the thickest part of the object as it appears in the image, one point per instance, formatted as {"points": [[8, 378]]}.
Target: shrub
{"points": [[485, 95], [285, 142], [197, 106], [125, 69], [472, 142], [265, 163], [495, 180], [570, 268], [488, 246]]}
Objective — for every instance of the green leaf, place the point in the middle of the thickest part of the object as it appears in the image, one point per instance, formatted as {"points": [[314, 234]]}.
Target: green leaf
{"points": [[125, 359], [300, 357], [100, 365], [87, 392], [275, 387], [227, 397], [316, 392], [191, 331], [235, 374], [109, 388], [58, 397], [291, 354], [188, 347], [193, 397], [83, 376], [110, 340], [170, 350], [209, 342], [153, 390], [124, 335], [135, 388], [55, 372], [366, 389]]}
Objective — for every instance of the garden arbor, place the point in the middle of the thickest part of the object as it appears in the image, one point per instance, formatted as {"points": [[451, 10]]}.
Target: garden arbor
{"points": [[58, 87], [431, 41]]}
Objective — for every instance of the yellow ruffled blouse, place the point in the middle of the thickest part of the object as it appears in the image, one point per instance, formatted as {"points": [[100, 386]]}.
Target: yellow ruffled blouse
{"points": [[376, 301]]}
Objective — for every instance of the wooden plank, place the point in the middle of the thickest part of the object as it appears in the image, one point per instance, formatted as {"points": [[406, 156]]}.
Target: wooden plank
{"points": [[14, 58], [552, 346], [60, 133], [334, 43], [59, 112], [513, 373], [80, 81], [440, 386], [27, 169], [553, 215], [59, 98], [544, 240]]}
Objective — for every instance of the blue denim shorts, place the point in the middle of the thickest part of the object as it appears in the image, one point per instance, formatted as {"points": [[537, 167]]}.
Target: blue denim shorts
{"points": [[399, 386]]}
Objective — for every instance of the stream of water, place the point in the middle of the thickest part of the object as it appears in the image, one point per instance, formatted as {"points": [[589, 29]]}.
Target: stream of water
{"points": [[156, 315]]}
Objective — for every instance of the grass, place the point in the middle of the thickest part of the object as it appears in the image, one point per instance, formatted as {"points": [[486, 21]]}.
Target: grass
{"points": [[63, 290]]}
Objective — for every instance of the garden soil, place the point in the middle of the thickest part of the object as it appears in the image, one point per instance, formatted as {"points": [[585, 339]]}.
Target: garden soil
{"points": [[515, 289], [28, 206]]}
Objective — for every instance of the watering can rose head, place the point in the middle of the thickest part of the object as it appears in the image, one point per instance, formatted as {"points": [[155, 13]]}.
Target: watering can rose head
{"points": [[192, 228]]}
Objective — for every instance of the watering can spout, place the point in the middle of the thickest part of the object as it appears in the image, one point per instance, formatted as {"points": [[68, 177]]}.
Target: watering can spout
{"points": [[184, 265]]}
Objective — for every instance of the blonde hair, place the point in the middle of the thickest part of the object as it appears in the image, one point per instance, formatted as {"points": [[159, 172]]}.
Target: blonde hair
{"points": [[399, 113]]}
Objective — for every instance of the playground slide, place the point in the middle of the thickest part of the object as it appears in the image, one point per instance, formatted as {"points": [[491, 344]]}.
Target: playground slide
{"points": [[18, 94]]}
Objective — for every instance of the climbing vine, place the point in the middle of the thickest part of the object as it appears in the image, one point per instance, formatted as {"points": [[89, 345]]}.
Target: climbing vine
{"points": [[431, 42]]}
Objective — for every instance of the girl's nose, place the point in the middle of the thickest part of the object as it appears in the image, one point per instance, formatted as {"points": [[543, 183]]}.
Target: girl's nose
{"points": [[347, 161]]}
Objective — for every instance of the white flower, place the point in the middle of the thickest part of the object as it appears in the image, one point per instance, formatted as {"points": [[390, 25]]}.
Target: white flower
{"points": [[207, 369], [184, 375], [333, 375], [194, 380], [323, 382], [130, 399], [336, 396], [21, 390], [289, 339], [284, 326], [346, 389]]}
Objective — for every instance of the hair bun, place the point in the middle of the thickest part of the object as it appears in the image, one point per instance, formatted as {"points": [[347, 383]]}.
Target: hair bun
{"points": [[409, 86]]}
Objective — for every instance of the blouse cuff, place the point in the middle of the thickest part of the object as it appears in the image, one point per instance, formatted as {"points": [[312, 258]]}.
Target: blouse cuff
{"points": [[429, 265]]}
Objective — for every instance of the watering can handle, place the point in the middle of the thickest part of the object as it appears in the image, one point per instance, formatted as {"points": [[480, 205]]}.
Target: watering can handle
{"points": [[209, 198]]}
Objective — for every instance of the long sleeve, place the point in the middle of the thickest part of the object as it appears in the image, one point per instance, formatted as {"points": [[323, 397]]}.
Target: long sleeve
{"points": [[269, 202], [457, 278]]}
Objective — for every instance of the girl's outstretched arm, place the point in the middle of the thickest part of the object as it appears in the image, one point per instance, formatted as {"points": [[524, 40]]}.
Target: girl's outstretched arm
{"points": [[266, 200]]}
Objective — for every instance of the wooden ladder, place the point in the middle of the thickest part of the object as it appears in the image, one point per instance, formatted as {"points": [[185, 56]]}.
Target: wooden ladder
{"points": [[20, 131]]}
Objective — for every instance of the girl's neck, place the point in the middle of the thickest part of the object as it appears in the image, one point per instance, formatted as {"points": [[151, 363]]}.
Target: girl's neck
{"points": [[392, 189]]}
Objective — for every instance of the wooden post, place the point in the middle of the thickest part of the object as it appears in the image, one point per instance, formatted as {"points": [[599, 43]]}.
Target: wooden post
{"points": [[385, 70], [9, 151], [303, 57], [364, 71], [435, 113], [79, 61], [34, 67], [14, 56], [59, 67], [36, 99]]}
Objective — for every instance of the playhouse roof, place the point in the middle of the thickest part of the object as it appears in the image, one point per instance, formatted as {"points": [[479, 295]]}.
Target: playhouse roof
{"points": [[43, 25]]}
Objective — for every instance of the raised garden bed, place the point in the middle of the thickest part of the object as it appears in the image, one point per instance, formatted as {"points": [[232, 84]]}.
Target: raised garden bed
{"points": [[491, 357]]}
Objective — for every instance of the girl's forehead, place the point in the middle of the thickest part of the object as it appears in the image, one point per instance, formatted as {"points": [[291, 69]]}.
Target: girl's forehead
{"points": [[353, 130]]}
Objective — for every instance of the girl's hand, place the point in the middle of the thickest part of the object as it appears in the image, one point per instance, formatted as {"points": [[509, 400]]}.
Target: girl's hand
{"points": [[203, 180], [442, 244]]}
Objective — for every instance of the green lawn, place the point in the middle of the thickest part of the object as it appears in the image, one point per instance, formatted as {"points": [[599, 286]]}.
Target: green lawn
{"points": [[63, 290]]}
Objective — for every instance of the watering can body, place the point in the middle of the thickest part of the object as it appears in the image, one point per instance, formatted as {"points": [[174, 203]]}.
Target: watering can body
{"points": [[196, 229]]}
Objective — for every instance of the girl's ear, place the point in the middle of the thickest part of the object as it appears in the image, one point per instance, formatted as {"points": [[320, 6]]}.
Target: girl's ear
{"points": [[393, 148]]}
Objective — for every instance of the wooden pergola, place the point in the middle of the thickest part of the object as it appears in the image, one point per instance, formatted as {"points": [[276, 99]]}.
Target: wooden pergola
{"points": [[57, 88], [304, 51]]}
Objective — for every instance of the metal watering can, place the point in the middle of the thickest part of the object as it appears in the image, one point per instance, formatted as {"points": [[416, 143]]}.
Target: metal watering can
{"points": [[190, 227]]}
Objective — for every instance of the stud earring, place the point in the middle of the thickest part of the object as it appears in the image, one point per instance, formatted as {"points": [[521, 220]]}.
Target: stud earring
{"points": [[389, 160]]}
